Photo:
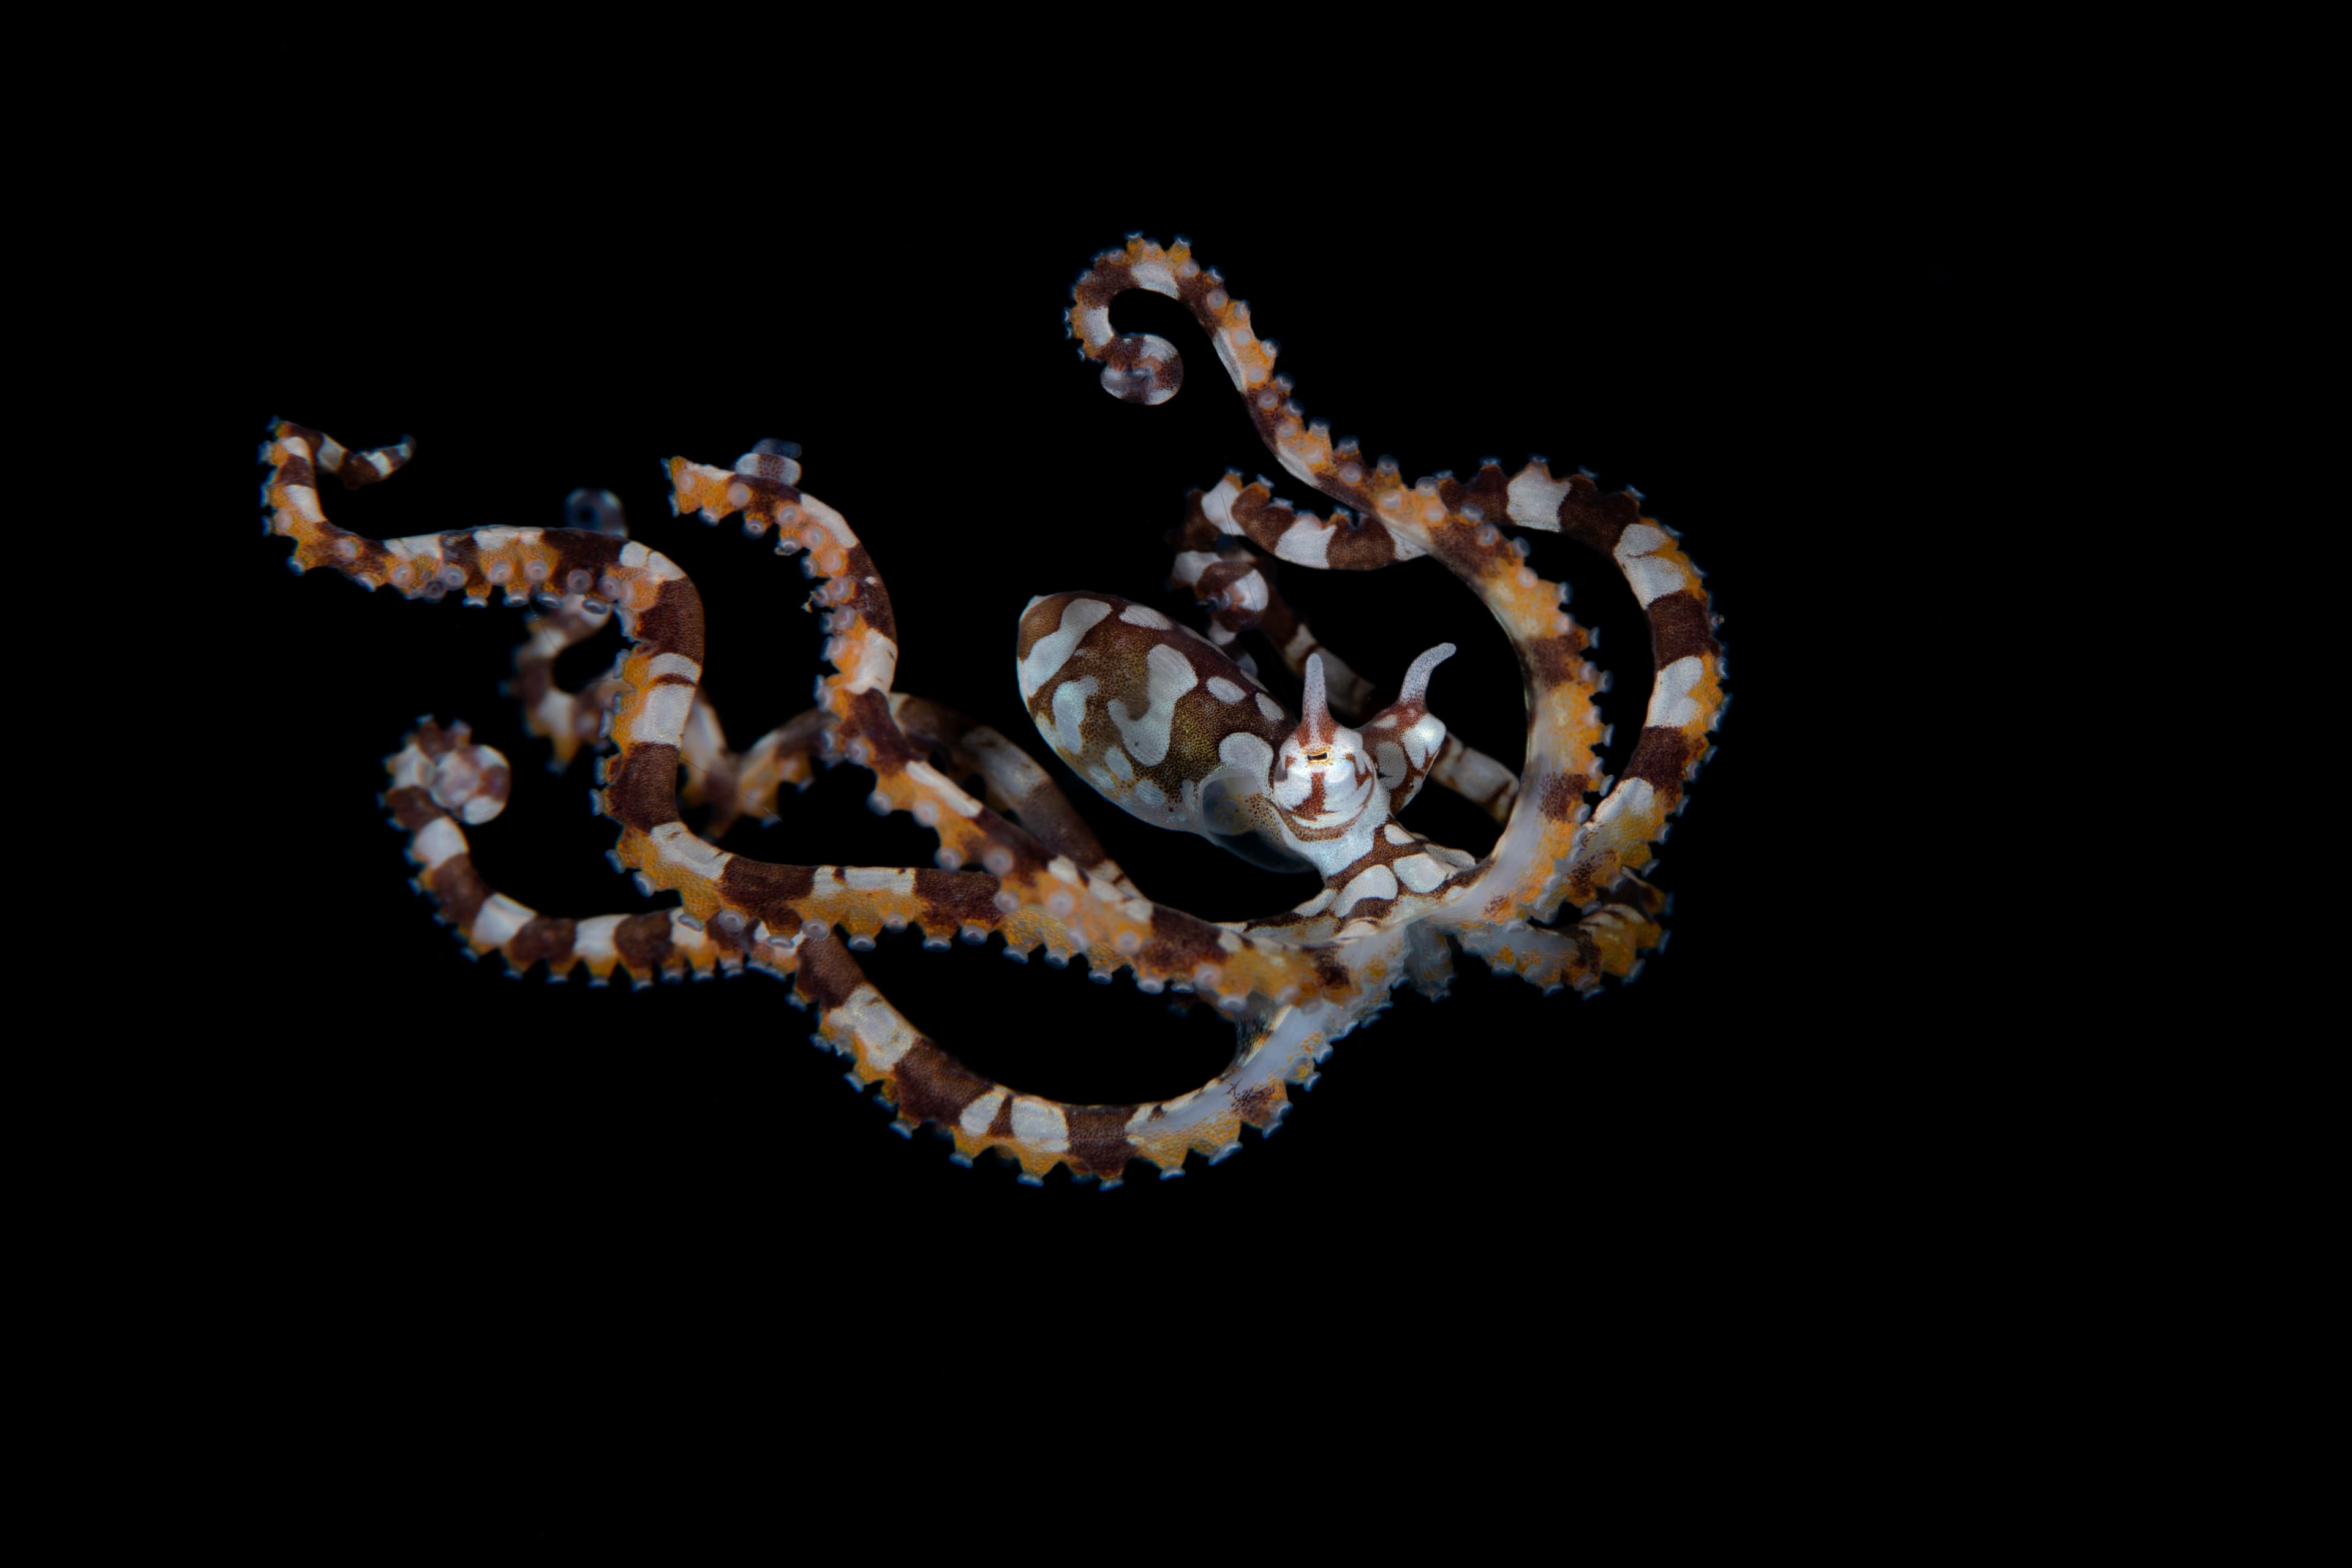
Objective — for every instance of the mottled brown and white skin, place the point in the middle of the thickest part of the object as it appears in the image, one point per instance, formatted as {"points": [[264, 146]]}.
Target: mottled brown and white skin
{"points": [[1159, 720]]}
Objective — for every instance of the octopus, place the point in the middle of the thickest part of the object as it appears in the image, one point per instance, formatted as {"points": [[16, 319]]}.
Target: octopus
{"points": [[1178, 727]]}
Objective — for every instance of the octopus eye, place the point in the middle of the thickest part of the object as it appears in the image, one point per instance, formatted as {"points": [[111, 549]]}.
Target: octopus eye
{"points": [[1318, 758]]}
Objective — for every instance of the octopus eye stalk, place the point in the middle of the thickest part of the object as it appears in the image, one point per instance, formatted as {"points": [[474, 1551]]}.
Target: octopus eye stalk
{"points": [[1315, 730], [1416, 679]]}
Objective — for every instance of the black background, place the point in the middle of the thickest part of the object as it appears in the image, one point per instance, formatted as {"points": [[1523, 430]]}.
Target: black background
{"points": [[1774, 367]]}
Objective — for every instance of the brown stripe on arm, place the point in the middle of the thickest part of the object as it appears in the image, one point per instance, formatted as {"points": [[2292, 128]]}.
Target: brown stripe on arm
{"points": [[1681, 625], [356, 467], [1049, 813], [1359, 543], [1011, 850], [295, 468], [1594, 520], [928, 1084], [1098, 1143], [1180, 942], [459, 550], [411, 806], [826, 974], [581, 559], [1197, 531], [1558, 660], [643, 941], [868, 596], [1659, 760], [1013, 782], [868, 720], [1485, 497], [953, 899], [1355, 542], [1560, 794], [1261, 522], [768, 892], [641, 788], [544, 937], [673, 622], [459, 888]]}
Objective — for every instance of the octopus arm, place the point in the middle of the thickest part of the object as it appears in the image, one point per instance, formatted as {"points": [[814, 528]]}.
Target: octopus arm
{"points": [[1552, 849], [737, 911], [1017, 861]]}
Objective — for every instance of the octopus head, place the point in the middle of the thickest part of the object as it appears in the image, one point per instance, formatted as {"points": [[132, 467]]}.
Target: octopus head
{"points": [[1324, 777]]}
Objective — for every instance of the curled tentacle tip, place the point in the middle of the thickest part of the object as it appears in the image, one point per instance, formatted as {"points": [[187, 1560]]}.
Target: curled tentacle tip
{"points": [[1315, 709], [470, 783], [1142, 368]]}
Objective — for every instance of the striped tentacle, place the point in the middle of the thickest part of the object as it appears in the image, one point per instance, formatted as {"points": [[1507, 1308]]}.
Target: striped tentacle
{"points": [[1608, 939], [784, 755], [1013, 784], [928, 1085], [569, 721], [1033, 897], [520, 564], [1238, 594], [785, 917], [330, 456], [1441, 516], [732, 784], [1686, 695], [1391, 520], [1547, 854], [440, 780], [657, 607], [1145, 369], [573, 722], [1343, 542]]}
